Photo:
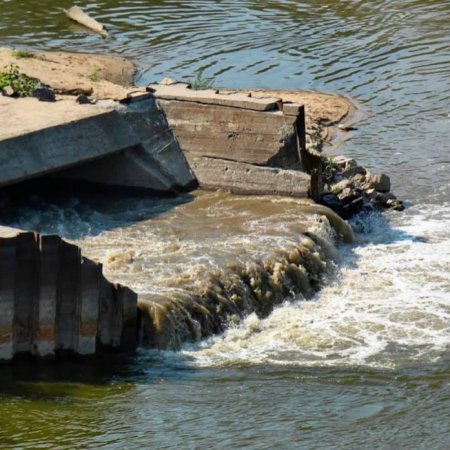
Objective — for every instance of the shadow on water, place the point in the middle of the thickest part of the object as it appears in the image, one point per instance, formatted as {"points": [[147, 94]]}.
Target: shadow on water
{"points": [[75, 210]]}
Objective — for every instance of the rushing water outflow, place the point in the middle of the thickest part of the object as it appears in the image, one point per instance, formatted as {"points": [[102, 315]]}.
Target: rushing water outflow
{"points": [[366, 363]]}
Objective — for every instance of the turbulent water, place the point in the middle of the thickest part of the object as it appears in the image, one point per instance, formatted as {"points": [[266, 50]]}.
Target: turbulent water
{"points": [[366, 363]]}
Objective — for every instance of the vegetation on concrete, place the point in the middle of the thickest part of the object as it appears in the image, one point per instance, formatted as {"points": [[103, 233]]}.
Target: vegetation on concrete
{"points": [[22, 85], [199, 82]]}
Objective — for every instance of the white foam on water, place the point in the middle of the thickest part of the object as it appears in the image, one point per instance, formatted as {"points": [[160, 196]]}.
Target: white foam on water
{"points": [[389, 306]]}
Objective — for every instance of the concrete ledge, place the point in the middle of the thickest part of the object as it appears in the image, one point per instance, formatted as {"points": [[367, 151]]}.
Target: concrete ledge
{"points": [[242, 178], [52, 149], [182, 92]]}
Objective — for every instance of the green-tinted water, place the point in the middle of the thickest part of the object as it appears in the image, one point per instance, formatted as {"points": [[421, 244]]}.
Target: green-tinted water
{"points": [[365, 365]]}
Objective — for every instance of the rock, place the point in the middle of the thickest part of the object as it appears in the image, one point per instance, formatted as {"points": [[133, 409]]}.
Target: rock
{"points": [[344, 163], [349, 194], [352, 171], [167, 81], [339, 187], [331, 200], [396, 205], [358, 178], [83, 99], [44, 94], [386, 197], [380, 183], [8, 91], [352, 208], [343, 127]]}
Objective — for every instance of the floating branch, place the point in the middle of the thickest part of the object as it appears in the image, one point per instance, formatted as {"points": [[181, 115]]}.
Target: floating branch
{"points": [[78, 15]]}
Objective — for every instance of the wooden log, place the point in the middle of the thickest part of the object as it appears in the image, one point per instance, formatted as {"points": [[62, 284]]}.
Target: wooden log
{"points": [[76, 14]]}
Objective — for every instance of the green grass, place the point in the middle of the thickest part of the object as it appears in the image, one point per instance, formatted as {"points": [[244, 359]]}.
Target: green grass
{"points": [[23, 54], [328, 165], [199, 83], [22, 84], [95, 76]]}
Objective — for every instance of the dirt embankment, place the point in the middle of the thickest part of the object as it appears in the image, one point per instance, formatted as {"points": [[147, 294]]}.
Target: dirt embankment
{"points": [[100, 77]]}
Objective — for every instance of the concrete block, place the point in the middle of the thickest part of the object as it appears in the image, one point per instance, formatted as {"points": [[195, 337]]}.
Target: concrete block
{"points": [[68, 302], [242, 178], [26, 292], [236, 134], [69, 144], [7, 288], [89, 309], [181, 92], [49, 269]]}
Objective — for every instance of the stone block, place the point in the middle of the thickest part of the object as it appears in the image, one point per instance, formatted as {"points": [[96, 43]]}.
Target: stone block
{"points": [[243, 178]]}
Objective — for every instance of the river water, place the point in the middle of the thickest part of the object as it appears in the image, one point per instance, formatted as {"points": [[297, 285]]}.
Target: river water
{"points": [[366, 363]]}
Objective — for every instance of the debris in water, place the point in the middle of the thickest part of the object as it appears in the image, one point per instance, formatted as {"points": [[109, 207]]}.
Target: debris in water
{"points": [[78, 15]]}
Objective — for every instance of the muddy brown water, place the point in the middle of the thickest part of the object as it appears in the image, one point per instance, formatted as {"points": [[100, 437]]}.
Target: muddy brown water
{"points": [[366, 364]]}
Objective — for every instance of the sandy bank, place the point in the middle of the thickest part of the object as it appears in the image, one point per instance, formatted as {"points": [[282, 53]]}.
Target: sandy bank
{"points": [[102, 77]]}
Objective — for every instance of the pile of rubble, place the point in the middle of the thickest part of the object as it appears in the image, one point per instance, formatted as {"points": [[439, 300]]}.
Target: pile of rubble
{"points": [[351, 189]]}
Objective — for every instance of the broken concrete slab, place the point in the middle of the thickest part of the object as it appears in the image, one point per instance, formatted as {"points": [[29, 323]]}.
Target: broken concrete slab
{"points": [[243, 178], [182, 92], [265, 138], [54, 302], [54, 137], [155, 163]]}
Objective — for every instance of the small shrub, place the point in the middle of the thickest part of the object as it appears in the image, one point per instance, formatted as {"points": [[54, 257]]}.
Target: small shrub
{"points": [[199, 83], [23, 54], [95, 76], [328, 167], [22, 84]]}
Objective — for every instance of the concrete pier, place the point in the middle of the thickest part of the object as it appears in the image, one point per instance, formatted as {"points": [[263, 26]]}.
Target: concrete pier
{"points": [[56, 303]]}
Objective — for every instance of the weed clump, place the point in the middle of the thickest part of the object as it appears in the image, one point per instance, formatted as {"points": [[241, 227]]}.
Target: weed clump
{"points": [[19, 54], [199, 83], [21, 84]]}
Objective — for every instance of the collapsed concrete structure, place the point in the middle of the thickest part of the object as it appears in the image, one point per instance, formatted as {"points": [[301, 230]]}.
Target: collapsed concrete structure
{"points": [[54, 302], [167, 139]]}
